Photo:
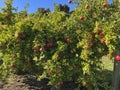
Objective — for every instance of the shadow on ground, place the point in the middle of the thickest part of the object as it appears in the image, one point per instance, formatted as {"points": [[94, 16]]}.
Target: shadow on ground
{"points": [[29, 82]]}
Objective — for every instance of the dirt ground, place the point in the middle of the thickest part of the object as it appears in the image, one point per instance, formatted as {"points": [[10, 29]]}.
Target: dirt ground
{"points": [[29, 82], [24, 82]]}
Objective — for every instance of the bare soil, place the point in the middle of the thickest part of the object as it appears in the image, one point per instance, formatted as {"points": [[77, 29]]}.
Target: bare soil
{"points": [[29, 82], [24, 82]]}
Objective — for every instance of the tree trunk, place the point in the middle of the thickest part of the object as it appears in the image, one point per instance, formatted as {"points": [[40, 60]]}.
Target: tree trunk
{"points": [[116, 76]]}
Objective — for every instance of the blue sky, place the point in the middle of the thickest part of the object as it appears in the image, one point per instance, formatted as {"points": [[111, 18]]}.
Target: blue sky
{"points": [[34, 4]]}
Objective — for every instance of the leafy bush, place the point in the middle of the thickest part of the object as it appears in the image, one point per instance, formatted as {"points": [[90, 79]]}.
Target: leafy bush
{"points": [[60, 46]]}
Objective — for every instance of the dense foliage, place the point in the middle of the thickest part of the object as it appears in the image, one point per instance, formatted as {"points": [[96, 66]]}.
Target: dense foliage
{"points": [[59, 45]]}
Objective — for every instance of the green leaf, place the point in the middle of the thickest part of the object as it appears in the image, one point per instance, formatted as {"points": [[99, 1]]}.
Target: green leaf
{"points": [[1, 62]]}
